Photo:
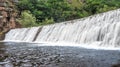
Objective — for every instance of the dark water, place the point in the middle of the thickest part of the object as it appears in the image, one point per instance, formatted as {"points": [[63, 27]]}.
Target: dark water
{"points": [[30, 55]]}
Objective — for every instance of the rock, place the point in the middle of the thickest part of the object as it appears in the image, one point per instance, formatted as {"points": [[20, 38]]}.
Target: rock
{"points": [[7, 16], [116, 65], [2, 63], [26, 61], [2, 36], [8, 65], [26, 64]]}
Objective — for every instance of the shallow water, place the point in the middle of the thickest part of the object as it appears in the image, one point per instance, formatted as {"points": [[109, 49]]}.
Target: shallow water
{"points": [[30, 55]]}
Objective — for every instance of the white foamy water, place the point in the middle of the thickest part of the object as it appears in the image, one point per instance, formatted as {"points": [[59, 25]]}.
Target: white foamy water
{"points": [[23, 34], [102, 30]]}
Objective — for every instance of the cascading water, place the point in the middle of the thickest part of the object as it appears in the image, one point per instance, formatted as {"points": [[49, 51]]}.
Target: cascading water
{"points": [[102, 30], [23, 34]]}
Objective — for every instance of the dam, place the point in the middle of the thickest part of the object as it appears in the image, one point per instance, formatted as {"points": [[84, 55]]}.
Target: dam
{"points": [[97, 30]]}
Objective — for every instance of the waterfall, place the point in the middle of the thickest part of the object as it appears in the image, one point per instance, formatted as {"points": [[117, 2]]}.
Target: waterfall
{"points": [[101, 29], [23, 34]]}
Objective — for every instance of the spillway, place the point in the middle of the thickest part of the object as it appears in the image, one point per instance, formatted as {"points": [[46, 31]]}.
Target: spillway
{"points": [[101, 29]]}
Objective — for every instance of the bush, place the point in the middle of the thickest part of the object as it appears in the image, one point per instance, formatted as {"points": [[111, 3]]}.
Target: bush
{"points": [[27, 19], [47, 21]]}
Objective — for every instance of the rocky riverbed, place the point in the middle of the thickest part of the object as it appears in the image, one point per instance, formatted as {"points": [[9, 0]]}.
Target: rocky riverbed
{"points": [[31, 55]]}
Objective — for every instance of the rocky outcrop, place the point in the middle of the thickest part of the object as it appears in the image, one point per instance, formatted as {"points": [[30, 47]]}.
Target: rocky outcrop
{"points": [[8, 14]]}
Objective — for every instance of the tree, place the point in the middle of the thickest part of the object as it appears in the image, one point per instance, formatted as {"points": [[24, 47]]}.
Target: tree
{"points": [[62, 10]]}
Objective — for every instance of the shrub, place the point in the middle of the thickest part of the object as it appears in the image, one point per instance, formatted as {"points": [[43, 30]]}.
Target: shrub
{"points": [[27, 19]]}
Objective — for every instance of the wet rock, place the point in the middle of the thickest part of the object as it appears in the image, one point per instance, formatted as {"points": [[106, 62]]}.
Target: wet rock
{"points": [[6, 64], [2, 36], [2, 63], [26, 64], [24, 61], [116, 65], [9, 65]]}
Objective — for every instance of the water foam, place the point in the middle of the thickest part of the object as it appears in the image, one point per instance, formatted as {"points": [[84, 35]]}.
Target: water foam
{"points": [[66, 44]]}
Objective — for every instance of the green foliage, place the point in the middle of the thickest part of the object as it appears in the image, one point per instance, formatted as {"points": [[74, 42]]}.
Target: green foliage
{"points": [[98, 6], [27, 19], [47, 21], [51, 11]]}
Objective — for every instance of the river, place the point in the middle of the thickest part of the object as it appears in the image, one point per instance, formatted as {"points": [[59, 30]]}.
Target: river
{"points": [[14, 54]]}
